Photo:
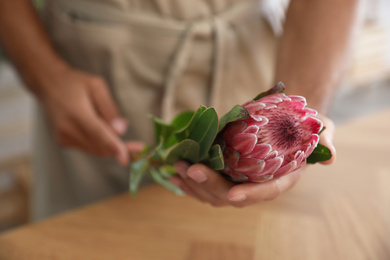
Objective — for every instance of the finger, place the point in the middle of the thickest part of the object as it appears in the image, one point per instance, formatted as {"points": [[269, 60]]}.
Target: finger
{"points": [[187, 174], [135, 148], [105, 105], [177, 181], [73, 141], [326, 138], [250, 193], [102, 137], [209, 184], [181, 167], [69, 135]]}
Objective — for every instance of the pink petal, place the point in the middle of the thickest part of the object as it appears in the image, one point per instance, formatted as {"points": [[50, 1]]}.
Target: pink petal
{"points": [[312, 145], [233, 129], [269, 106], [312, 125], [260, 120], [244, 143], [297, 105], [253, 129], [271, 155], [271, 99], [237, 176], [310, 111], [260, 151], [272, 165], [285, 169], [231, 157], [254, 106], [299, 156], [298, 99], [282, 96], [250, 166], [260, 178]]}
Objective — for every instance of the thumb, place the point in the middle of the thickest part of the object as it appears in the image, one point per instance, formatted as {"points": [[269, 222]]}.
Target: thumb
{"points": [[105, 105], [326, 138], [135, 148]]}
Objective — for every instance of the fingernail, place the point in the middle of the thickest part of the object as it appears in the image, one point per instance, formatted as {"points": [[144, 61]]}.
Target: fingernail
{"points": [[197, 176], [119, 125], [238, 197]]}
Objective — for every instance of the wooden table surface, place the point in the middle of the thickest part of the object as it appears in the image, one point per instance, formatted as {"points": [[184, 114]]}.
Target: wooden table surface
{"points": [[335, 212]]}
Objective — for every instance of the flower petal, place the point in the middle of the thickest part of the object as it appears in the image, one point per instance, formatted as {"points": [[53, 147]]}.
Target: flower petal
{"points": [[272, 165], [260, 120], [260, 151], [254, 106], [310, 111], [260, 178], [298, 99], [231, 157], [244, 143], [269, 106], [253, 129], [233, 129], [285, 169], [237, 176], [271, 155], [299, 156], [271, 99], [312, 125], [250, 166], [312, 145]]}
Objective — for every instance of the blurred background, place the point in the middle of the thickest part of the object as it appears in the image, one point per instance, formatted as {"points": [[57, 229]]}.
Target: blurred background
{"points": [[364, 90]]}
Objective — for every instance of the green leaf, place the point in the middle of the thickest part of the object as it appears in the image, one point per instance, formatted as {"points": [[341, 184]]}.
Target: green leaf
{"points": [[182, 120], [187, 150], [322, 130], [157, 177], [167, 171], [205, 131], [321, 153], [183, 133], [236, 113], [216, 161], [137, 172], [178, 123], [162, 130], [278, 88]]}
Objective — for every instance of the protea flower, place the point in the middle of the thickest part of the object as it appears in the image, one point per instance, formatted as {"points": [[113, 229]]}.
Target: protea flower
{"points": [[275, 140]]}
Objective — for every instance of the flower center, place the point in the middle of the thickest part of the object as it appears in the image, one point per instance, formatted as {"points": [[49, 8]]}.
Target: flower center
{"points": [[284, 132]]}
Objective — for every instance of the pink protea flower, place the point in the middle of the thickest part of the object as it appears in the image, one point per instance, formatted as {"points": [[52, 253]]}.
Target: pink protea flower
{"points": [[275, 140]]}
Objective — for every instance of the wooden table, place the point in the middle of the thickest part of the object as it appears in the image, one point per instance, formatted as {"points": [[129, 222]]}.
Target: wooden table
{"points": [[335, 212]]}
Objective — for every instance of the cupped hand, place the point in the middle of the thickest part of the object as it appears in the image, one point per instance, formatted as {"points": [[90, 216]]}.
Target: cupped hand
{"points": [[83, 114], [211, 187]]}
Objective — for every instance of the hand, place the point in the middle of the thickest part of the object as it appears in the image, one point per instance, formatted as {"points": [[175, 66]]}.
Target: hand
{"points": [[208, 186], [326, 137], [83, 114]]}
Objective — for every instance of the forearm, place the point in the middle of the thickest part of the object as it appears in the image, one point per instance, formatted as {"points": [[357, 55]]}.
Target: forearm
{"points": [[25, 42], [314, 47]]}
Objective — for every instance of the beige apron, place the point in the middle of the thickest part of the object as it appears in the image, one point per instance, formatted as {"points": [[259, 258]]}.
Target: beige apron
{"points": [[158, 58]]}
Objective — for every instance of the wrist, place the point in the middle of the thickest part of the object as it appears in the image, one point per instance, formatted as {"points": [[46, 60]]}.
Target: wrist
{"points": [[41, 79]]}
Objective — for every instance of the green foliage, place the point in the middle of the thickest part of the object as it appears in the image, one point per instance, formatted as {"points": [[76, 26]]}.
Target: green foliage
{"points": [[278, 88], [215, 160], [187, 150], [189, 137], [321, 153], [237, 113]]}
